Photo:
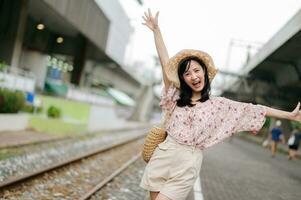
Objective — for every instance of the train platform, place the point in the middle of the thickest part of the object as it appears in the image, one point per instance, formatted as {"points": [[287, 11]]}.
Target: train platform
{"points": [[30, 136]]}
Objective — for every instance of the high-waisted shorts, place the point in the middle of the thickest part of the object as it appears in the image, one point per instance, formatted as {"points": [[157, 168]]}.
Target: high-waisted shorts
{"points": [[172, 169]]}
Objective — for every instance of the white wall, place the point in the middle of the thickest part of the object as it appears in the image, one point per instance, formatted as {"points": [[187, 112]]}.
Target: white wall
{"points": [[104, 118], [36, 62], [87, 96], [19, 121], [120, 29], [17, 82]]}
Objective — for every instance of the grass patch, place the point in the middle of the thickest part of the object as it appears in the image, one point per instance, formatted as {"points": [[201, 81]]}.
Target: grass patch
{"points": [[74, 120], [71, 109]]}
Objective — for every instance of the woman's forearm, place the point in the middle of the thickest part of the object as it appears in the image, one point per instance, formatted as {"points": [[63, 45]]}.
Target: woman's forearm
{"points": [[272, 112], [160, 46], [162, 53]]}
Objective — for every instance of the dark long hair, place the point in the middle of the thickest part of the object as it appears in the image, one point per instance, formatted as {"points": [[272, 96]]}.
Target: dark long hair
{"points": [[185, 90]]}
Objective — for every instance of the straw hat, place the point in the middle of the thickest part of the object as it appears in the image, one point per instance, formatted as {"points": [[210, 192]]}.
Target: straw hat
{"points": [[173, 64]]}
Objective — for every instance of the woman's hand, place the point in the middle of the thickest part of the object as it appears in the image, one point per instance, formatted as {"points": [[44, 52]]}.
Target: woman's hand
{"points": [[296, 114], [150, 21]]}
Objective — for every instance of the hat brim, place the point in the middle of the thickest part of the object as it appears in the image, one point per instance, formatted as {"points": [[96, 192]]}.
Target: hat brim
{"points": [[173, 64]]}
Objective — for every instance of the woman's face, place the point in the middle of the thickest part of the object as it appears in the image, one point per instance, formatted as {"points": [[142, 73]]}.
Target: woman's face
{"points": [[194, 76]]}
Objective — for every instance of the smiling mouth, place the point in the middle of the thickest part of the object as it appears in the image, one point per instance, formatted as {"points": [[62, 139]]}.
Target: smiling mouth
{"points": [[197, 84]]}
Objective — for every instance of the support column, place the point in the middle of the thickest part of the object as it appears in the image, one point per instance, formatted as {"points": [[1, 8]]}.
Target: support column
{"points": [[144, 105], [79, 60], [36, 62], [13, 18]]}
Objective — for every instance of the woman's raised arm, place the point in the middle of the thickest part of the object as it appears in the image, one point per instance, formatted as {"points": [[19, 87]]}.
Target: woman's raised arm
{"points": [[152, 23]]}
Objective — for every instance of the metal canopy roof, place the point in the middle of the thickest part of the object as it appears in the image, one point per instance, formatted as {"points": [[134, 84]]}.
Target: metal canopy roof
{"points": [[278, 65]]}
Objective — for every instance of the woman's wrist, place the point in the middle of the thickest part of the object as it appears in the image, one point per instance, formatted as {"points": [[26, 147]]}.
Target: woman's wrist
{"points": [[156, 29], [290, 116]]}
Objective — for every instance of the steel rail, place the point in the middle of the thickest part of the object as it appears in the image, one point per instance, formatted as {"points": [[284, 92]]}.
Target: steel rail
{"points": [[18, 179], [109, 178]]}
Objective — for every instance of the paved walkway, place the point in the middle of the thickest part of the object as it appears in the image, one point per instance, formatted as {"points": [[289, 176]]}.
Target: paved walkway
{"points": [[244, 171], [283, 148], [14, 138]]}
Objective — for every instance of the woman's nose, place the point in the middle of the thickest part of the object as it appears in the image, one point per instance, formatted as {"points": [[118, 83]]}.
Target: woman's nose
{"points": [[193, 76]]}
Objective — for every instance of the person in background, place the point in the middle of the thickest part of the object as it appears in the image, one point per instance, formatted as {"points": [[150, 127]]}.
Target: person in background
{"points": [[293, 143], [276, 135]]}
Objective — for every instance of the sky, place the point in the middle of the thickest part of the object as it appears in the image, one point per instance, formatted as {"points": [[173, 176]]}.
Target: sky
{"points": [[210, 25]]}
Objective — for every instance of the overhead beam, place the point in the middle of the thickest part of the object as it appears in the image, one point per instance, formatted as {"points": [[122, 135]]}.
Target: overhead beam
{"points": [[291, 28]]}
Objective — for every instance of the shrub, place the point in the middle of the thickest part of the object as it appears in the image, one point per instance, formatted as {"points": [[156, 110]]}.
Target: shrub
{"points": [[2, 65], [295, 125], [267, 123], [30, 109], [54, 112], [11, 101]]}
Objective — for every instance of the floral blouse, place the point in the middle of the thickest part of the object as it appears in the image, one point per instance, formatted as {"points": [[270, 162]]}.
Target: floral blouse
{"points": [[209, 122]]}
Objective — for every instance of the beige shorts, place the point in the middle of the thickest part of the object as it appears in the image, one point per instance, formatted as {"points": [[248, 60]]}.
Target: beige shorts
{"points": [[172, 169]]}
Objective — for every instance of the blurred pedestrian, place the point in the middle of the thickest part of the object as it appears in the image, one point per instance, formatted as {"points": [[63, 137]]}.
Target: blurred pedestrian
{"points": [[276, 135], [194, 119], [293, 143]]}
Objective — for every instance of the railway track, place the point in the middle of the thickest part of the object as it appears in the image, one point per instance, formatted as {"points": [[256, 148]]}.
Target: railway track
{"points": [[125, 186], [75, 178], [109, 178]]}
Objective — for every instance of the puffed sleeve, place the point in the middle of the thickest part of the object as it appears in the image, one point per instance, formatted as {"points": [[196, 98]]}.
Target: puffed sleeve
{"points": [[232, 117], [240, 116], [169, 97]]}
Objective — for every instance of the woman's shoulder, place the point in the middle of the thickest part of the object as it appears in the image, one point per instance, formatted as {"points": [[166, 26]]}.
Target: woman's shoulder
{"points": [[217, 99]]}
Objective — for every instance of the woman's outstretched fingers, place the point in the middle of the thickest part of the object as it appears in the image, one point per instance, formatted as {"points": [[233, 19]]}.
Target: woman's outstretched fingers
{"points": [[146, 15], [157, 16], [149, 12], [297, 113], [144, 20]]}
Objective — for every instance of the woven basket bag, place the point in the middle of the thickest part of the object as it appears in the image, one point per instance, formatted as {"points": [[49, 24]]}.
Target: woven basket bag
{"points": [[155, 136]]}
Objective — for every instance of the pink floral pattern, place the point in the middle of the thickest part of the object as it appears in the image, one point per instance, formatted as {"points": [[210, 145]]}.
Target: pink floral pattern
{"points": [[210, 122]]}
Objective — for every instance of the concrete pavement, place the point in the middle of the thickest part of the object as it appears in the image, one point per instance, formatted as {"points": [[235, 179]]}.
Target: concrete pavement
{"points": [[244, 171]]}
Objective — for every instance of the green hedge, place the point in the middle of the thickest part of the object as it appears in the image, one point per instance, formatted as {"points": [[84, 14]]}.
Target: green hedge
{"points": [[11, 101], [31, 109]]}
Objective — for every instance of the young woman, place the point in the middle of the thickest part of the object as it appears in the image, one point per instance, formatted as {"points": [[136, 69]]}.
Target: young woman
{"points": [[195, 120]]}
